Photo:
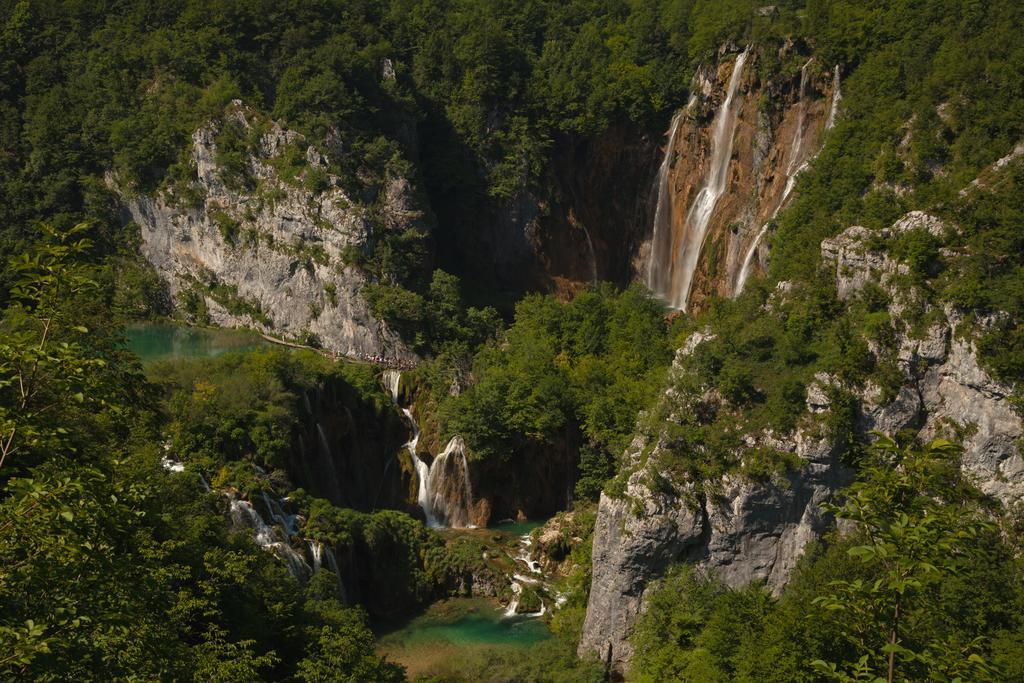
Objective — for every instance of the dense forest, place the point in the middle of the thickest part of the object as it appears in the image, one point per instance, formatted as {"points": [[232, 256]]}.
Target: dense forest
{"points": [[128, 488]]}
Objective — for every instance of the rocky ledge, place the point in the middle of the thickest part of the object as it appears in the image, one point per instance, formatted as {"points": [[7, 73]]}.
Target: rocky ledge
{"points": [[278, 253]]}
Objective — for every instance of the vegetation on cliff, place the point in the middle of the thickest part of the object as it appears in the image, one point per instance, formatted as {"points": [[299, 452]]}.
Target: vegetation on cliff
{"points": [[113, 568], [924, 586]]}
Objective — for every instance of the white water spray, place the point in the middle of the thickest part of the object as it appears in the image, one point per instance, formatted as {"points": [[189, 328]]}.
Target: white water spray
{"points": [[837, 95], [699, 216], [658, 275]]}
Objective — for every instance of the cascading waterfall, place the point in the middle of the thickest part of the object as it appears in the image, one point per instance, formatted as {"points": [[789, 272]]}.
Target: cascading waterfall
{"points": [[794, 167], [443, 488], [659, 272], [320, 552], [448, 492], [279, 516], [837, 95], [699, 216], [270, 538], [422, 471], [519, 580]]}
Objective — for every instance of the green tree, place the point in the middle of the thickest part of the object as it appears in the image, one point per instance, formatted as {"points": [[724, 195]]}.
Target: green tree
{"points": [[914, 531]]}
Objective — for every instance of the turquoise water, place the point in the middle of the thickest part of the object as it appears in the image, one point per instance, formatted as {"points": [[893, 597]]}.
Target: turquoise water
{"points": [[163, 341], [452, 626]]}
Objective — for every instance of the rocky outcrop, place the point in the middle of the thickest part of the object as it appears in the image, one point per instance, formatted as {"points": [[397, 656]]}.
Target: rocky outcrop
{"points": [[277, 252], [742, 529], [945, 392], [739, 529]]}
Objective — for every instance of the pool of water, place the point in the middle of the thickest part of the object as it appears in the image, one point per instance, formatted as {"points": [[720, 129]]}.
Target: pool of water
{"points": [[164, 341], [428, 642]]}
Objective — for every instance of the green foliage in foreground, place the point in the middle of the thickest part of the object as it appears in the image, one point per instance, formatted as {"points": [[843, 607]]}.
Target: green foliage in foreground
{"points": [[922, 587], [111, 568]]}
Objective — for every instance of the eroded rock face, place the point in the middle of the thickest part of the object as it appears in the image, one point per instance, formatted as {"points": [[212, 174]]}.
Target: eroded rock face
{"points": [[745, 530], [275, 256], [635, 539], [741, 530], [945, 392]]}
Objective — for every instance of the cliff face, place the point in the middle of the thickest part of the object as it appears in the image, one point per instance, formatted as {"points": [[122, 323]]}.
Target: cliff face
{"points": [[744, 530], [731, 160], [278, 254], [348, 450], [585, 225]]}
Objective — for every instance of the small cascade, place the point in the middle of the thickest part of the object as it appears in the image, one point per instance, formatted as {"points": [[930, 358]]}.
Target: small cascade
{"points": [[392, 380], [837, 95], [795, 165], [513, 604], [277, 513], [449, 493], [522, 557], [270, 538], [699, 216], [320, 552], [659, 272], [443, 490]]}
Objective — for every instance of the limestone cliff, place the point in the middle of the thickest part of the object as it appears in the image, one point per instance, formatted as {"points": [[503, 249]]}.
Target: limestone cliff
{"points": [[278, 253], [744, 529]]}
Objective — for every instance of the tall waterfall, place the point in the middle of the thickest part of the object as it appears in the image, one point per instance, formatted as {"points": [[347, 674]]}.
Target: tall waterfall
{"points": [[837, 95], [699, 216], [794, 166], [443, 492], [659, 270]]}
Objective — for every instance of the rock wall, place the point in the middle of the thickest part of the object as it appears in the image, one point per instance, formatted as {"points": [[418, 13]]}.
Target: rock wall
{"points": [[278, 256], [945, 392], [743, 530]]}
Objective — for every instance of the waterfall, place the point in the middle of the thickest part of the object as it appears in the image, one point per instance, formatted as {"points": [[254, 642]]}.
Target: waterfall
{"points": [[422, 472], [794, 167], [244, 515], [699, 216], [837, 95], [443, 488], [659, 272], [277, 513], [392, 381], [449, 494], [320, 552], [593, 256], [324, 444]]}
